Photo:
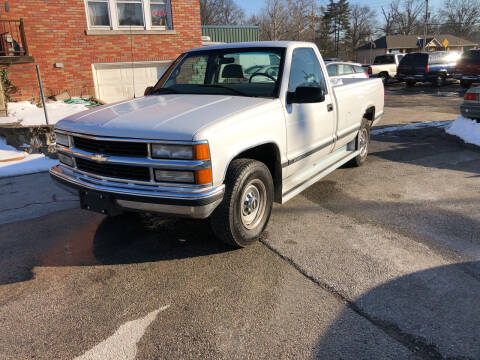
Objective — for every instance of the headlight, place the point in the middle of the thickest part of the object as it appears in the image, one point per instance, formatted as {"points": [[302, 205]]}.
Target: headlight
{"points": [[174, 176], [65, 159], [62, 139], [181, 152]]}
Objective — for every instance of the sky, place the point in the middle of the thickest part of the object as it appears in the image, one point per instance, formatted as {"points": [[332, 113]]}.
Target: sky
{"points": [[252, 6]]}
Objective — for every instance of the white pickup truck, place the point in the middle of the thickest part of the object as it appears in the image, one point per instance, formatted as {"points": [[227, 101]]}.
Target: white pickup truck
{"points": [[209, 140], [385, 66]]}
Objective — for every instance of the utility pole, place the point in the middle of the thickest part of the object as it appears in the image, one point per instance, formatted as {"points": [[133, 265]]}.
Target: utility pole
{"points": [[313, 21], [426, 26]]}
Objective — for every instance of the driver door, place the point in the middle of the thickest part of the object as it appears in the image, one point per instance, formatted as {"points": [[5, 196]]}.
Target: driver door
{"points": [[310, 126]]}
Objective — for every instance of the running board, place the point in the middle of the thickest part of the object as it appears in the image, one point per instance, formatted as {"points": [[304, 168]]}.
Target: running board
{"points": [[312, 180]]}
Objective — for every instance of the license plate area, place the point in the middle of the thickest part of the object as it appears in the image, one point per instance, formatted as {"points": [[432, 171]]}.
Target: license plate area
{"points": [[98, 202]]}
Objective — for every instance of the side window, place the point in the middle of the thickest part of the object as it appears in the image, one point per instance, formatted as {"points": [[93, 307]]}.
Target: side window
{"points": [[305, 70], [344, 69], [191, 71], [332, 70], [359, 69]]}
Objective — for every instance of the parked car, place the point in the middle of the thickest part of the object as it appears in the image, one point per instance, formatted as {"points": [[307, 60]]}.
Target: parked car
{"points": [[471, 104], [346, 70], [468, 68], [332, 60], [199, 148], [385, 66], [435, 67]]}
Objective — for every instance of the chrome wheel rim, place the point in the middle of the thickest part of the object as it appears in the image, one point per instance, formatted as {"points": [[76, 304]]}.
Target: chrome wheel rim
{"points": [[363, 143], [252, 206]]}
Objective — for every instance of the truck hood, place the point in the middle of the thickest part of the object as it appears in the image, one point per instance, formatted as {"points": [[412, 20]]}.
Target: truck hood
{"points": [[162, 117]]}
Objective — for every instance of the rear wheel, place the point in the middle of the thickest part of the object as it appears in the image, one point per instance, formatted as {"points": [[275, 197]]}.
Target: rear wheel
{"points": [[246, 207], [410, 83], [440, 81], [363, 144], [465, 84], [384, 77]]}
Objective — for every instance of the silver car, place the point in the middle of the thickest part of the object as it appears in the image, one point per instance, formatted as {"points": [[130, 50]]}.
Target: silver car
{"points": [[346, 70], [471, 104]]}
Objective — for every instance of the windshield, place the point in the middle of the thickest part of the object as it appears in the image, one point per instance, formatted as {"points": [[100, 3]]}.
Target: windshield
{"points": [[242, 72]]}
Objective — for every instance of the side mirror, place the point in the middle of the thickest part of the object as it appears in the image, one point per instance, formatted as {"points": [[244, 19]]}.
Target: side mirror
{"points": [[147, 90], [306, 94]]}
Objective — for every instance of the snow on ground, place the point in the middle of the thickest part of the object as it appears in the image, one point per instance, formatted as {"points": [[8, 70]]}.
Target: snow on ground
{"points": [[31, 163], [414, 126], [30, 114], [466, 129]]}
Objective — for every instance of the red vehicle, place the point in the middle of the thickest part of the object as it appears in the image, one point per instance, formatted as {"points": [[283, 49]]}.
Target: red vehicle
{"points": [[468, 68]]}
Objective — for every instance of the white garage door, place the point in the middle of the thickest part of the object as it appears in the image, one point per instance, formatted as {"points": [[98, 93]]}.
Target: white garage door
{"points": [[122, 81]]}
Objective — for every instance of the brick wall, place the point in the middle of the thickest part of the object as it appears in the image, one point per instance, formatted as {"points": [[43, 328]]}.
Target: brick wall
{"points": [[56, 33]]}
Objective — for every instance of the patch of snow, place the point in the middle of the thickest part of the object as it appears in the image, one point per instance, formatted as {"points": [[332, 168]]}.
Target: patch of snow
{"points": [[414, 126], [31, 163], [30, 114], [466, 129]]}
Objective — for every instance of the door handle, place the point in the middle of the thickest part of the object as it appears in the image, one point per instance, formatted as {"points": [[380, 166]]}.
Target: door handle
{"points": [[330, 107]]}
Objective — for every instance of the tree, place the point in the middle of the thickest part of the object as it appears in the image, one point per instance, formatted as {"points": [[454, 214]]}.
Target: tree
{"points": [[274, 19], [221, 12], [460, 17], [407, 16], [361, 29], [299, 25], [337, 21], [403, 17]]}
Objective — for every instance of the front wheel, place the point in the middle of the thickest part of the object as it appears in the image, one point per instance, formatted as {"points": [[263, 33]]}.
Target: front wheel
{"points": [[363, 141], [410, 83], [246, 207], [465, 84]]}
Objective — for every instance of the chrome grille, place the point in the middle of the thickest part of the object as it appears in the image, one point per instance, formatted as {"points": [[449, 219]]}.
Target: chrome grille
{"points": [[116, 148], [138, 173]]}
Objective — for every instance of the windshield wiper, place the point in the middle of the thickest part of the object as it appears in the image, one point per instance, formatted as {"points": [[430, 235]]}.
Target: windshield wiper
{"points": [[238, 92], [166, 91]]}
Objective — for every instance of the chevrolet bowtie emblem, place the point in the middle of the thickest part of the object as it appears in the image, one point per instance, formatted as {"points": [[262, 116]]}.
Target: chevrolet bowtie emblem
{"points": [[99, 158]]}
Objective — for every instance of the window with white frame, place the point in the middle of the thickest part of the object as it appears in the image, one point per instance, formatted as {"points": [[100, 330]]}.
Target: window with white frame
{"points": [[128, 14]]}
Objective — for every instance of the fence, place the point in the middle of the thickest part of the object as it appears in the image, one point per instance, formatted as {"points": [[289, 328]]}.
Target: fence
{"points": [[13, 41]]}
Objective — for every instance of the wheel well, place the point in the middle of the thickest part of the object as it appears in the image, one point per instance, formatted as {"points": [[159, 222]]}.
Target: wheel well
{"points": [[269, 154], [370, 114]]}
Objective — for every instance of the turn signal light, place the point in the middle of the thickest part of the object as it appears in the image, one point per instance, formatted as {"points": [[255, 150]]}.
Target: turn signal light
{"points": [[470, 97], [203, 176], [202, 152]]}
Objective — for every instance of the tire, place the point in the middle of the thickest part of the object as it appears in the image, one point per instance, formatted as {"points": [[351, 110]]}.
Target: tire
{"points": [[440, 81], [384, 77], [363, 144], [465, 84], [235, 222], [410, 83]]}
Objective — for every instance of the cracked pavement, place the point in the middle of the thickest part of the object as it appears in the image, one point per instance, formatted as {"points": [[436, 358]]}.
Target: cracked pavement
{"points": [[377, 262]]}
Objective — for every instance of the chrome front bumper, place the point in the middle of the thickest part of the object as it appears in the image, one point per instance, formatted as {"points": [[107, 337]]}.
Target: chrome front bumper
{"points": [[179, 201]]}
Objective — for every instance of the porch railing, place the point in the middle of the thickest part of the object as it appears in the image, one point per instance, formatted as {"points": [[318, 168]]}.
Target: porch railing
{"points": [[13, 41]]}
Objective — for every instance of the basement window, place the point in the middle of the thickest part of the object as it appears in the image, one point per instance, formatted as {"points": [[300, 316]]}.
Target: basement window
{"points": [[129, 14]]}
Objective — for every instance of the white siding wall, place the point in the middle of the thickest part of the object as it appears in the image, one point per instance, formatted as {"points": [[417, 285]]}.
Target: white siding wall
{"points": [[122, 81]]}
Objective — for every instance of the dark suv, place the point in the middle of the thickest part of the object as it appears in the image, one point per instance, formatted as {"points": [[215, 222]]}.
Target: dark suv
{"points": [[434, 67], [468, 68]]}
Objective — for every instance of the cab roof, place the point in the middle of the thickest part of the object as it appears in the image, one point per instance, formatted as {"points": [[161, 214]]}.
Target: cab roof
{"points": [[257, 44]]}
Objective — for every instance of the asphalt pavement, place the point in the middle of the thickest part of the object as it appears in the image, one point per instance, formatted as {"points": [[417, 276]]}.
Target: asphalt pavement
{"points": [[376, 262]]}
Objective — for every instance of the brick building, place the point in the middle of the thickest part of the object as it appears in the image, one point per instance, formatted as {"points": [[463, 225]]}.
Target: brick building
{"points": [[111, 49]]}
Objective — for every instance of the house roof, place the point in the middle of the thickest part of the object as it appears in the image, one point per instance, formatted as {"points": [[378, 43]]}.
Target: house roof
{"points": [[411, 41]]}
